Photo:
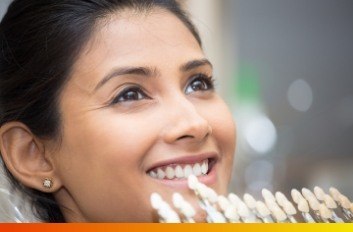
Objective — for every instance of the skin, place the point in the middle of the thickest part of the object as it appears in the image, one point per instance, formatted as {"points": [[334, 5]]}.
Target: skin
{"points": [[106, 149]]}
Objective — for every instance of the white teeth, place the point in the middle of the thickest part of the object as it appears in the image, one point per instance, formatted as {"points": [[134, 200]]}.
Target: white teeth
{"points": [[153, 174], [187, 171], [179, 172], [160, 173], [197, 169], [204, 167], [169, 172]]}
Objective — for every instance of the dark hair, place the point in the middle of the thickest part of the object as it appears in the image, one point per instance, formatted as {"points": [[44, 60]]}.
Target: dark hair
{"points": [[40, 41]]}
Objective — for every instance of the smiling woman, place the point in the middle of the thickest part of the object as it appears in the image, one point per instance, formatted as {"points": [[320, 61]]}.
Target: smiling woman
{"points": [[104, 102]]}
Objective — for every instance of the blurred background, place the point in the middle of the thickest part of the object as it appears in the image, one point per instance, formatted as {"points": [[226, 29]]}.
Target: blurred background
{"points": [[286, 70]]}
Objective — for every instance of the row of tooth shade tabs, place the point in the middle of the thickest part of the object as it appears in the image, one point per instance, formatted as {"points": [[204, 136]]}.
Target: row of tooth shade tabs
{"points": [[308, 206]]}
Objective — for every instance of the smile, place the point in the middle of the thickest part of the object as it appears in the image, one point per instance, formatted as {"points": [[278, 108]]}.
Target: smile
{"points": [[182, 171]]}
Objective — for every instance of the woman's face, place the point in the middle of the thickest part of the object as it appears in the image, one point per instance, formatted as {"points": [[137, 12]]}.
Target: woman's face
{"points": [[139, 113]]}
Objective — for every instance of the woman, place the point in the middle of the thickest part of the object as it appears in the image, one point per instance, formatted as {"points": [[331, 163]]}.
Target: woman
{"points": [[104, 102]]}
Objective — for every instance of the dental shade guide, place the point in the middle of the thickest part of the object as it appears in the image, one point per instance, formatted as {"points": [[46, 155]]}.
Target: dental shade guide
{"points": [[310, 206], [165, 212]]}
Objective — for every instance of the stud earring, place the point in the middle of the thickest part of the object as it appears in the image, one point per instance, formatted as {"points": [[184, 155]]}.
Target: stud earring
{"points": [[47, 183]]}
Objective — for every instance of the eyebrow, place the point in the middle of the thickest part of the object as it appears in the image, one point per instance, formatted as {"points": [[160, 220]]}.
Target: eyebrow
{"points": [[148, 71], [195, 64]]}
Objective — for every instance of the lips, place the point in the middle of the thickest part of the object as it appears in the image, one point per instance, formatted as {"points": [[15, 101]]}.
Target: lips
{"points": [[179, 169]]}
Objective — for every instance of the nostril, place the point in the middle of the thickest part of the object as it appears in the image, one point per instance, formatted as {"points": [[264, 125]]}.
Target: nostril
{"points": [[187, 129], [210, 130], [185, 136]]}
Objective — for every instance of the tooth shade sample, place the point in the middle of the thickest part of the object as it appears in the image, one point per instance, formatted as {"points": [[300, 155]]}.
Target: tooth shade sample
{"points": [[319, 193]]}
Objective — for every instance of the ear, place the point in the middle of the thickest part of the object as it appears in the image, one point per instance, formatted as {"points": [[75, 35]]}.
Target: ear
{"points": [[26, 158]]}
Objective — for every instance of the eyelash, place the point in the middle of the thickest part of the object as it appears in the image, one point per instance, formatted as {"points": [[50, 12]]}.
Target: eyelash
{"points": [[207, 81], [135, 89]]}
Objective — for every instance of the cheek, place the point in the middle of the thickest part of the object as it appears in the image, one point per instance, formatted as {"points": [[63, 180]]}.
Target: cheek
{"points": [[223, 126], [224, 132], [109, 138], [102, 157]]}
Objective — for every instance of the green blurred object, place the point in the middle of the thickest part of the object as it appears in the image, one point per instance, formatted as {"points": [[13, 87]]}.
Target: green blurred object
{"points": [[246, 86]]}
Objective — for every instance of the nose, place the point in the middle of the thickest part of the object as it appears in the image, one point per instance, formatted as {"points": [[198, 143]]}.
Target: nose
{"points": [[185, 123]]}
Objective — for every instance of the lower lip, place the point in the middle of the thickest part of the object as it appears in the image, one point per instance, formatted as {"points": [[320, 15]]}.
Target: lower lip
{"points": [[208, 179]]}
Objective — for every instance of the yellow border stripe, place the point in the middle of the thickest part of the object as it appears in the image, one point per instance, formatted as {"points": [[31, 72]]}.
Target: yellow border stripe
{"points": [[107, 227]]}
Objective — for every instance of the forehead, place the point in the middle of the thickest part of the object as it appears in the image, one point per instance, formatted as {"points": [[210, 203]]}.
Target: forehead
{"points": [[130, 38]]}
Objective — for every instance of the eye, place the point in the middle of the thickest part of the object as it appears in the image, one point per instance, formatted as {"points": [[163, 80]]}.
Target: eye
{"points": [[130, 94], [200, 82]]}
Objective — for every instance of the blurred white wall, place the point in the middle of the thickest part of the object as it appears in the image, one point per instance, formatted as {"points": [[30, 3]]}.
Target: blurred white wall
{"points": [[207, 16]]}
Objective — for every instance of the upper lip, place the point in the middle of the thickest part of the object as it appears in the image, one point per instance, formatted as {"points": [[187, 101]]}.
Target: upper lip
{"points": [[187, 159]]}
